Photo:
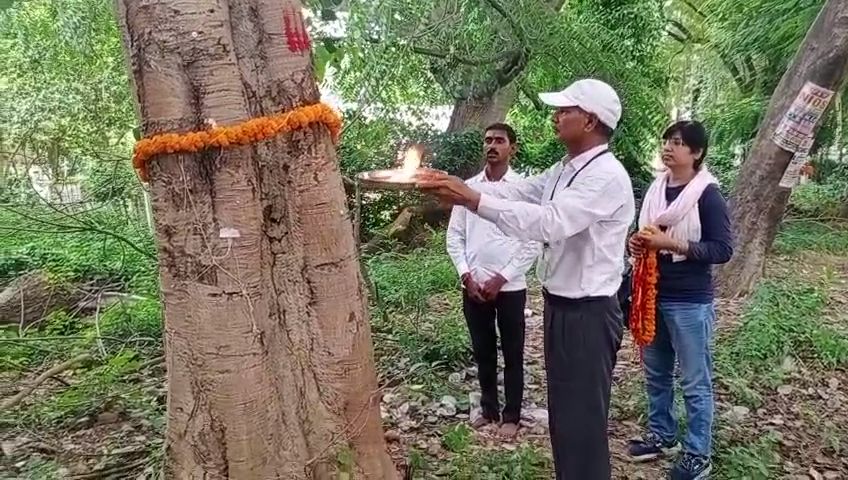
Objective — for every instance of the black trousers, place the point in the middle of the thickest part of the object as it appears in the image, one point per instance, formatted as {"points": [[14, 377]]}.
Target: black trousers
{"points": [[582, 338], [508, 310]]}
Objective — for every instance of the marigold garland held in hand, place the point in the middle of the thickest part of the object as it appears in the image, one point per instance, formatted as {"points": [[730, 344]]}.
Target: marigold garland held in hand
{"points": [[251, 131], [643, 303]]}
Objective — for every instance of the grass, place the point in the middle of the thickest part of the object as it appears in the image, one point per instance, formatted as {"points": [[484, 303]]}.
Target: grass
{"points": [[405, 281], [743, 459], [526, 462], [785, 322], [805, 235], [418, 322]]}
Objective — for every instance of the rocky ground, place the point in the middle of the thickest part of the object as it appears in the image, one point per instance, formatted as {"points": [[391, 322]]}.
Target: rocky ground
{"points": [[805, 416]]}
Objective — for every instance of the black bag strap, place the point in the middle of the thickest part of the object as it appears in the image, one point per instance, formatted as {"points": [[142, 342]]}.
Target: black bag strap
{"points": [[571, 180]]}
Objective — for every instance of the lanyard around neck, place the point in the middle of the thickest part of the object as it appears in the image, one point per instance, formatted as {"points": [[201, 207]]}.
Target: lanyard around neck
{"points": [[571, 180]]}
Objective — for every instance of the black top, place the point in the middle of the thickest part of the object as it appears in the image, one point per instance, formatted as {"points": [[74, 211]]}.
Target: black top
{"points": [[691, 280]]}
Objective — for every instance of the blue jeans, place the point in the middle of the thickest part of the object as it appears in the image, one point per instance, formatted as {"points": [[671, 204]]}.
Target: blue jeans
{"points": [[684, 330]]}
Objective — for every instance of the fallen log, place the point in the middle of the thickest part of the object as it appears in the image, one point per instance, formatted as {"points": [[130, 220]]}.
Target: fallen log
{"points": [[32, 296], [397, 227]]}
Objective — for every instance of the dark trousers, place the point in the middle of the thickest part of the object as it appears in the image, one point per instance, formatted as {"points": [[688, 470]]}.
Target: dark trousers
{"points": [[508, 309], [582, 338]]}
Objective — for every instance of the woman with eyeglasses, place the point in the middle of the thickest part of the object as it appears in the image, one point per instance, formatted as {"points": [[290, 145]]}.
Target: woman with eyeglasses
{"points": [[691, 233]]}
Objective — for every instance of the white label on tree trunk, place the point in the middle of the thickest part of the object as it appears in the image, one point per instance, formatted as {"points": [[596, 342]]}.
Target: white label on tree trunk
{"points": [[802, 117], [227, 232], [792, 175]]}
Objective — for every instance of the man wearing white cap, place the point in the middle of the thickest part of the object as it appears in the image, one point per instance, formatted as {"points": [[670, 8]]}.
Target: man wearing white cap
{"points": [[581, 209]]}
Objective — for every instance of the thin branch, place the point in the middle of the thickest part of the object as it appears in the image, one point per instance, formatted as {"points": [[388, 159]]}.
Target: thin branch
{"points": [[14, 400], [86, 226], [510, 20], [76, 337], [106, 472], [97, 328], [152, 362], [431, 52], [694, 8]]}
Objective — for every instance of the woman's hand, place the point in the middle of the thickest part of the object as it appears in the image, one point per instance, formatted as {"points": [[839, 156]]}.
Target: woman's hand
{"points": [[655, 239], [636, 245]]}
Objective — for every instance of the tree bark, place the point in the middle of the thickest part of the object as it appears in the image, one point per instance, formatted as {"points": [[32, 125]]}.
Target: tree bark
{"points": [[478, 113], [758, 203], [268, 346]]}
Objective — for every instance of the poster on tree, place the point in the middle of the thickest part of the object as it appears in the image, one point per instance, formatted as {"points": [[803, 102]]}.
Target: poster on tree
{"points": [[802, 117], [792, 175]]}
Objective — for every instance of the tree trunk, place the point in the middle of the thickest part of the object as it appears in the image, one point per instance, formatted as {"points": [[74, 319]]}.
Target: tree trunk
{"points": [[270, 366], [758, 203], [478, 113]]}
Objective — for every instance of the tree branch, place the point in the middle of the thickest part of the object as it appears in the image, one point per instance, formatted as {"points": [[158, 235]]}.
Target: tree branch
{"points": [[12, 401], [82, 227], [534, 99], [694, 8], [510, 20], [435, 53]]}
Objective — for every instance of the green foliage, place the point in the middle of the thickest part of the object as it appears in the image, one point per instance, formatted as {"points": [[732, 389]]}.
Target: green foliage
{"points": [[64, 78], [825, 200], [747, 459], [88, 394], [524, 463], [427, 54], [457, 438], [111, 181], [458, 153], [406, 280], [435, 340], [137, 319], [40, 468], [799, 235], [77, 246], [418, 324]]}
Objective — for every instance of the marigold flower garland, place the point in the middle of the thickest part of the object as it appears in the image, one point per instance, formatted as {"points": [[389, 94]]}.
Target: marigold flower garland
{"points": [[251, 131], [643, 304]]}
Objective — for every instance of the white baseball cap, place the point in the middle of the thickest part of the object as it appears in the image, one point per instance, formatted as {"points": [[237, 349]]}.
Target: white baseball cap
{"points": [[593, 96]]}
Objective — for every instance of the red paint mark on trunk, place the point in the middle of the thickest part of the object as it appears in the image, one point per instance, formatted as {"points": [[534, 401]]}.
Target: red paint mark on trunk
{"points": [[294, 28]]}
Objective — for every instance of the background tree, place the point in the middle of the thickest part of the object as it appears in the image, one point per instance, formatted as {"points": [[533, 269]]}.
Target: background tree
{"points": [[758, 204]]}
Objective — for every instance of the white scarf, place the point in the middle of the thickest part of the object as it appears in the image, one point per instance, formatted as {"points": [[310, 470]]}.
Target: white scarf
{"points": [[681, 217]]}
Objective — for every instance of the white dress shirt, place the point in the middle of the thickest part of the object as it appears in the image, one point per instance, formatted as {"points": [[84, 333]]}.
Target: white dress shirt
{"points": [[479, 247], [583, 227]]}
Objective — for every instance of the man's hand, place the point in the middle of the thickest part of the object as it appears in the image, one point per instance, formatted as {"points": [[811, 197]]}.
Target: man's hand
{"points": [[449, 190], [472, 288], [492, 287]]}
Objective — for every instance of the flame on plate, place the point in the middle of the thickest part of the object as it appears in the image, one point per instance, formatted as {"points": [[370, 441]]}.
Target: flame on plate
{"points": [[412, 159]]}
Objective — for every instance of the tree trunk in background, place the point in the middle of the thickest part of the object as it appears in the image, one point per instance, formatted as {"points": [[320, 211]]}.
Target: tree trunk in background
{"points": [[478, 113], [268, 346], [758, 203]]}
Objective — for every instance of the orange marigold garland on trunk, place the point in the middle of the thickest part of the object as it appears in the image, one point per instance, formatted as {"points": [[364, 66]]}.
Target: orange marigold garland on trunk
{"points": [[251, 131], [643, 303]]}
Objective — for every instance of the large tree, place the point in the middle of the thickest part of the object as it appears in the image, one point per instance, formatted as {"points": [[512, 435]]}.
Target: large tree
{"points": [[758, 203], [268, 345], [490, 57]]}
